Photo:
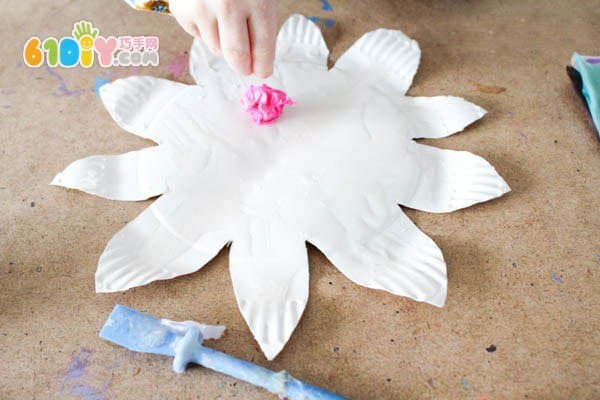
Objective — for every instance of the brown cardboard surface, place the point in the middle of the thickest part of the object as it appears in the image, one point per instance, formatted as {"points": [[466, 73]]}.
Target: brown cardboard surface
{"points": [[362, 343]]}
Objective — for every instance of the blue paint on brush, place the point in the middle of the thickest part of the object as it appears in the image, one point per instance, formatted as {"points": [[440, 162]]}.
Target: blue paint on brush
{"points": [[183, 340], [98, 83]]}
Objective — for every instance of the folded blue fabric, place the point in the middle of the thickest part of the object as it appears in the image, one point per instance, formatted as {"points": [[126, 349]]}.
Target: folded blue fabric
{"points": [[585, 74]]}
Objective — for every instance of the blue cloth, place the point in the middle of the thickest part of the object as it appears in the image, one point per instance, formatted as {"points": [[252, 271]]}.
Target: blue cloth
{"points": [[590, 78]]}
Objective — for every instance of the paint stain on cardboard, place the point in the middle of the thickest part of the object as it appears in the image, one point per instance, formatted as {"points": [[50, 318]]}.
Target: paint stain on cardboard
{"points": [[179, 65], [489, 89]]}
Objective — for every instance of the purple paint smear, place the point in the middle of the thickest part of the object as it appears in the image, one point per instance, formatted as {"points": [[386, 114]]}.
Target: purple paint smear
{"points": [[76, 380], [63, 89], [593, 60], [79, 363], [179, 65], [557, 278], [523, 136]]}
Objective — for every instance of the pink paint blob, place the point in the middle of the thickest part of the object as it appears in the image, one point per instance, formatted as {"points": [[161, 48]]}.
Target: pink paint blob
{"points": [[179, 65], [264, 103]]}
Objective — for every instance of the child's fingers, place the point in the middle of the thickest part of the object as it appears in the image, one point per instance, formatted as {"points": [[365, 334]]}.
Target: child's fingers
{"points": [[210, 34], [262, 40], [183, 17], [235, 44], [189, 27]]}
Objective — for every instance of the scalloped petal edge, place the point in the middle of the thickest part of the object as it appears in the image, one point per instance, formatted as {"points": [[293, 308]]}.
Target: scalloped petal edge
{"points": [[300, 40], [388, 54], [478, 182], [135, 102], [270, 328]]}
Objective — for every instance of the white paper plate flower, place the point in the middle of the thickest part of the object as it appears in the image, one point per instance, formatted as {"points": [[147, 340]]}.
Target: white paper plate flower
{"points": [[331, 171]]}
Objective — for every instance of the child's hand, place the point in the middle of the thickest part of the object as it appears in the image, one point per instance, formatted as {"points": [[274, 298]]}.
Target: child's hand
{"points": [[242, 30]]}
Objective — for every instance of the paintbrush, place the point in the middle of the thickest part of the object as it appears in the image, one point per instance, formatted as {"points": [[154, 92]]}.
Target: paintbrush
{"points": [[144, 333]]}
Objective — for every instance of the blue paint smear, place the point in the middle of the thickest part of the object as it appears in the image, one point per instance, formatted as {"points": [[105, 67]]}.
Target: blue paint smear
{"points": [[328, 22], [100, 81], [326, 6], [557, 278]]}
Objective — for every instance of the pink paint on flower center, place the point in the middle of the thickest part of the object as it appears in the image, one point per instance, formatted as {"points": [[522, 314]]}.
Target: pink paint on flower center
{"points": [[264, 103]]}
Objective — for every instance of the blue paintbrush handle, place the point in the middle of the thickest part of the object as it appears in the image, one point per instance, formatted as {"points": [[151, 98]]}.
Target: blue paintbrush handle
{"points": [[138, 331], [280, 383], [189, 350]]}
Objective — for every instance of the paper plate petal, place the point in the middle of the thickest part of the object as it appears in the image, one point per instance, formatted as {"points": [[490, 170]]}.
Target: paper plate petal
{"points": [[149, 248], [269, 271], [389, 253], [137, 175], [449, 180], [136, 102], [382, 56], [438, 117], [300, 41]]}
